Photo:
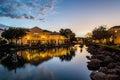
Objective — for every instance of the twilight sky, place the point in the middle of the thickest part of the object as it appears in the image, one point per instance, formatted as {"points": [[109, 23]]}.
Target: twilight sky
{"points": [[81, 16]]}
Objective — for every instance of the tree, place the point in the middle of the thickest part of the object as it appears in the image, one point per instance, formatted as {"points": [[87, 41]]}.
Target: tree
{"points": [[20, 32], [101, 33], [13, 33], [3, 42], [8, 34], [68, 33]]}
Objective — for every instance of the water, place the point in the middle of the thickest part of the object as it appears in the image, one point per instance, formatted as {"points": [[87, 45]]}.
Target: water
{"points": [[52, 64]]}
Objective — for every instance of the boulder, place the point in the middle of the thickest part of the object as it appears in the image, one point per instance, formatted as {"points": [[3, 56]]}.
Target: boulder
{"points": [[107, 60], [117, 57], [92, 49], [98, 56], [117, 66], [98, 76], [88, 57], [103, 69], [113, 71], [106, 53], [112, 77], [94, 64], [118, 69], [118, 63], [111, 65], [101, 49], [101, 57]]}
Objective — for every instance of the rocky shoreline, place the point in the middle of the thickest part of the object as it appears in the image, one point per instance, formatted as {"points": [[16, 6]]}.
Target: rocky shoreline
{"points": [[104, 63]]}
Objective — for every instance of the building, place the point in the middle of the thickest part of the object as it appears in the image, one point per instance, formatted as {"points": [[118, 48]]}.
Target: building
{"points": [[115, 34], [37, 36]]}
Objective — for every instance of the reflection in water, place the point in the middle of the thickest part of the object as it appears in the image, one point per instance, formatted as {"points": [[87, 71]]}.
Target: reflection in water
{"points": [[68, 56], [36, 57], [81, 47], [81, 50], [49, 64], [10, 64]]}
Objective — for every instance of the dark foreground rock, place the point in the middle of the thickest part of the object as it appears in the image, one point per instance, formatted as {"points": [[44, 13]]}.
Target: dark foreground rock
{"points": [[107, 63], [98, 76], [94, 64], [103, 76], [112, 77]]}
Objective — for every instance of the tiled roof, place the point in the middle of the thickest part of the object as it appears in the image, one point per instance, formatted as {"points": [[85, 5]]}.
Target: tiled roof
{"points": [[115, 27], [36, 29], [46, 31]]}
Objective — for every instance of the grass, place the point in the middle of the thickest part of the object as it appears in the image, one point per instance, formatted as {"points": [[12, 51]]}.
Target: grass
{"points": [[115, 47]]}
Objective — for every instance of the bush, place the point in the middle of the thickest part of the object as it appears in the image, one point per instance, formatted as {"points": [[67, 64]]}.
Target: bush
{"points": [[3, 42]]}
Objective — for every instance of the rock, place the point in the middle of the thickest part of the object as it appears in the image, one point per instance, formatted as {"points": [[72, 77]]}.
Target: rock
{"points": [[103, 69], [113, 71], [92, 75], [98, 56], [94, 64], [118, 63], [107, 60], [92, 49], [88, 57], [101, 57], [117, 66], [111, 65], [98, 76], [117, 58], [118, 69], [112, 77], [101, 49], [106, 53]]}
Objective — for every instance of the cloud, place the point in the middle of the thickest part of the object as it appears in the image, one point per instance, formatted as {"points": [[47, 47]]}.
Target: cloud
{"points": [[42, 19], [26, 9]]}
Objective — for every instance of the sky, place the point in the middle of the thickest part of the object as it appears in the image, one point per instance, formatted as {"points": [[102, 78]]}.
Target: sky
{"points": [[81, 16]]}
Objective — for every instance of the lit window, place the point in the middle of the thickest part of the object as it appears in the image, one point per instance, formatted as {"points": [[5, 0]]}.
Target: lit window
{"points": [[35, 33]]}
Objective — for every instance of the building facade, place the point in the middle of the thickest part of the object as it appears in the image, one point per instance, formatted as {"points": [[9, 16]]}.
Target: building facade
{"points": [[115, 34], [36, 36]]}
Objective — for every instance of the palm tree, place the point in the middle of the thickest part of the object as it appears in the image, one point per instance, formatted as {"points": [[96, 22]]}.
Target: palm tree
{"points": [[68, 33]]}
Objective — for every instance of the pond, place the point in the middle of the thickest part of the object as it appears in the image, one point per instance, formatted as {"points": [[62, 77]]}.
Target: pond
{"points": [[48, 64]]}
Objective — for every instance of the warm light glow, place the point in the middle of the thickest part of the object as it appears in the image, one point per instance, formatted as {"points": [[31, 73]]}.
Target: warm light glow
{"points": [[43, 37], [28, 38], [35, 33], [115, 31], [61, 37], [44, 55], [37, 36]]}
